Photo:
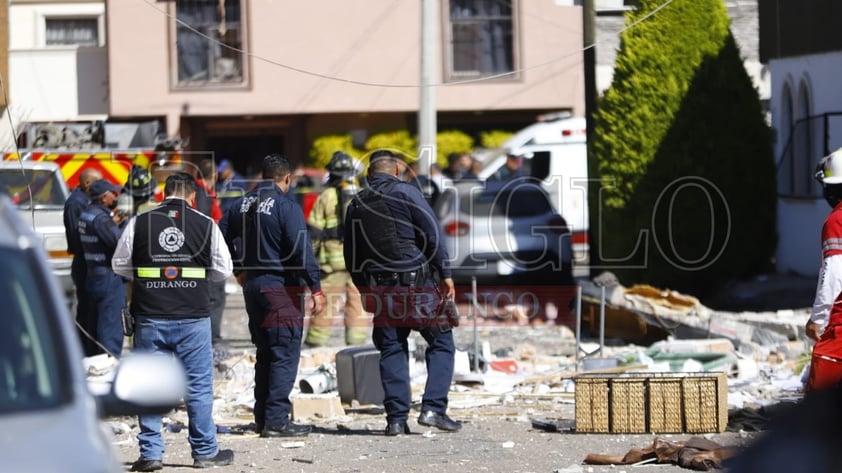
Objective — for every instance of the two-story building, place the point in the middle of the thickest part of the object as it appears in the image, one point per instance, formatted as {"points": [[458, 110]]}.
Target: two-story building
{"points": [[246, 78]]}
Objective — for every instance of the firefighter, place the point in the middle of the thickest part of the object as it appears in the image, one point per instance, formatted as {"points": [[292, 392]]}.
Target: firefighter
{"points": [[394, 251], [325, 224], [99, 230], [73, 208], [826, 317], [267, 229]]}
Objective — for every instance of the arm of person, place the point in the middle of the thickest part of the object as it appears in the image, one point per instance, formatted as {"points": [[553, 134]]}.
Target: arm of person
{"points": [[221, 265], [121, 262], [108, 230], [427, 225], [828, 290]]}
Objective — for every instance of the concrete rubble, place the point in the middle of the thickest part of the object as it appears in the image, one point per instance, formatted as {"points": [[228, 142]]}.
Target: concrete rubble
{"points": [[528, 372]]}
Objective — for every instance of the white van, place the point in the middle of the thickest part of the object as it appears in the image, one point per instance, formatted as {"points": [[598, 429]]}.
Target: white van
{"points": [[555, 152]]}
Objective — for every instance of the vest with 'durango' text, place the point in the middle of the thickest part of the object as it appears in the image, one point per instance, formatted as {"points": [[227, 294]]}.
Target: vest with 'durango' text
{"points": [[171, 253]]}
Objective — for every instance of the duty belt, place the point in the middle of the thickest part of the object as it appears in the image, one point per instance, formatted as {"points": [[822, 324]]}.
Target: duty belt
{"points": [[405, 278]]}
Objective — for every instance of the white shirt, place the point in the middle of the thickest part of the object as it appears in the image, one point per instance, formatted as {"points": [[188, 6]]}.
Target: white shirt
{"points": [[828, 289]]}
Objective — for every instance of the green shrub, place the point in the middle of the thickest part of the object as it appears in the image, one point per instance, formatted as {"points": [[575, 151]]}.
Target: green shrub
{"points": [[399, 140], [683, 154], [323, 148]]}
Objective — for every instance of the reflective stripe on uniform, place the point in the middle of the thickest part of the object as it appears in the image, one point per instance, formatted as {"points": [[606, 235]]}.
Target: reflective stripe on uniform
{"points": [[193, 273], [149, 272]]}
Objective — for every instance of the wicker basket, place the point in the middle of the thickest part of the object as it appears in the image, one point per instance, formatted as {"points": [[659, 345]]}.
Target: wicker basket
{"points": [[592, 404], [665, 411], [705, 398], [652, 402], [628, 404]]}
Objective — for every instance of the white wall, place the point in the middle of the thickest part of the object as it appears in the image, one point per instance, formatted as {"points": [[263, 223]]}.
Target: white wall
{"points": [[800, 220], [56, 83]]}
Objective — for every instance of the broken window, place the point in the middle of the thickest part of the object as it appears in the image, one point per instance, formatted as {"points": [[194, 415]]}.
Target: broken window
{"points": [[209, 37], [72, 31], [481, 38]]}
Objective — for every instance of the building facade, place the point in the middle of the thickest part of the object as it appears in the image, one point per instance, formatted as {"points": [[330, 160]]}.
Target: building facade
{"points": [[799, 42], [244, 78]]}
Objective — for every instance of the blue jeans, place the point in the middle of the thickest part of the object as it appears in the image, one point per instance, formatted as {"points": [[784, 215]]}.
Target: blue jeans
{"points": [[107, 294], [190, 341], [276, 325]]}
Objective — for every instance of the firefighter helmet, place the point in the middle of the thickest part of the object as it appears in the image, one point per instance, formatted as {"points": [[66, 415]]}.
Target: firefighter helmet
{"points": [[341, 165], [140, 184], [829, 170]]}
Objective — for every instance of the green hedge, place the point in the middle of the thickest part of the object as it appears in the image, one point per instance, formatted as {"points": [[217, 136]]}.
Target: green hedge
{"points": [[684, 156]]}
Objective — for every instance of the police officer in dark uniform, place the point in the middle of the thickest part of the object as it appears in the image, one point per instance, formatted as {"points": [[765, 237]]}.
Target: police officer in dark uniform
{"points": [[394, 251], [267, 229], [76, 203], [99, 231], [171, 253]]}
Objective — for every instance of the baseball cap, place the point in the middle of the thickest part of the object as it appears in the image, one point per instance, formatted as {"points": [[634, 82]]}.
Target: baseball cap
{"points": [[223, 165], [101, 187]]}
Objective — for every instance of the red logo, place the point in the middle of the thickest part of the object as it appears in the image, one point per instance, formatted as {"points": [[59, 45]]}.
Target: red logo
{"points": [[170, 272]]}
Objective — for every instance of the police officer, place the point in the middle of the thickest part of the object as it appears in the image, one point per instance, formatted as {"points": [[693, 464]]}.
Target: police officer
{"points": [[325, 224], [171, 253], [98, 232], [278, 266], [73, 208], [393, 248]]}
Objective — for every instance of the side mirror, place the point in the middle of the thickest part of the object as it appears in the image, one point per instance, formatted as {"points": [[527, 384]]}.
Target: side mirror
{"points": [[145, 384]]}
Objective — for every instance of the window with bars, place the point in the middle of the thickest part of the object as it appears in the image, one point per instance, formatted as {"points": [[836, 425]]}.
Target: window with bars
{"points": [[482, 38], [209, 37], [72, 31]]}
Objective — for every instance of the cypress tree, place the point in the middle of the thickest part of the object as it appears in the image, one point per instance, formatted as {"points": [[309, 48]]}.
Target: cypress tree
{"points": [[686, 194]]}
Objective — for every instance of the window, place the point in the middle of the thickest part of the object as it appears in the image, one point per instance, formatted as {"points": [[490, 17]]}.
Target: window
{"points": [[481, 38], [72, 31], [209, 37]]}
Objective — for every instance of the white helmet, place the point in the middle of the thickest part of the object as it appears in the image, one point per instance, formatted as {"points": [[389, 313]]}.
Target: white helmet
{"points": [[829, 170]]}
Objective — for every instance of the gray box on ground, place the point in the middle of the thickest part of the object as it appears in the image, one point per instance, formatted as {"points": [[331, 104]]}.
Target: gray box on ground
{"points": [[358, 375]]}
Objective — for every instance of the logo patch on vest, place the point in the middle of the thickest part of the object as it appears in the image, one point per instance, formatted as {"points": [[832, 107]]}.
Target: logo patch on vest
{"points": [[171, 239], [170, 272]]}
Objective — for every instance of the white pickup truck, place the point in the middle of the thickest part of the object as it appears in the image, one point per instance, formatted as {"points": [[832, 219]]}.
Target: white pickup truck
{"points": [[38, 190]]}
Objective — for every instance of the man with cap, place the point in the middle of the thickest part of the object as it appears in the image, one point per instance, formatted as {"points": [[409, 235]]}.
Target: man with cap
{"points": [[395, 252], [73, 208], [99, 230], [230, 186]]}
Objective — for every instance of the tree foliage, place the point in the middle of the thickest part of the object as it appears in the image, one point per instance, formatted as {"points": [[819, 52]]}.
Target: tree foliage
{"points": [[686, 195]]}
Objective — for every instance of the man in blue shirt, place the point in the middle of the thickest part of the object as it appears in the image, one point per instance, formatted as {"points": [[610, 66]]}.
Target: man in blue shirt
{"points": [[277, 268], [395, 253], [73, 208]]}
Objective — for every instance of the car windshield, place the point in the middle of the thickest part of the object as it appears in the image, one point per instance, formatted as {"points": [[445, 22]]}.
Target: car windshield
{"points": [[29, 369], [512, 202], [32, 186]]}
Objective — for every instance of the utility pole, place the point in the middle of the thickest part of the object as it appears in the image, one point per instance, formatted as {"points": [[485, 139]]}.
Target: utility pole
{"points": [[427, 104], [589, 58]]}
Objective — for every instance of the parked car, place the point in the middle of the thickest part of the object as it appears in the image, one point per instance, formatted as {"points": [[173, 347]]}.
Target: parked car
{"points": [[38, 191], [504, 232], [49, 419]]}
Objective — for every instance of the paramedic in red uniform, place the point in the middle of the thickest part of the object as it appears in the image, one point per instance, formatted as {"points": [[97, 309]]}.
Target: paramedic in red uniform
{"points": [[826, 317]]}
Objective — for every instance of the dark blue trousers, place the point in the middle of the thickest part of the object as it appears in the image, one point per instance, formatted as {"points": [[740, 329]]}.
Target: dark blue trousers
{"points": [[394, 369], [85, 316], [107, 294], [275, 325]]}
